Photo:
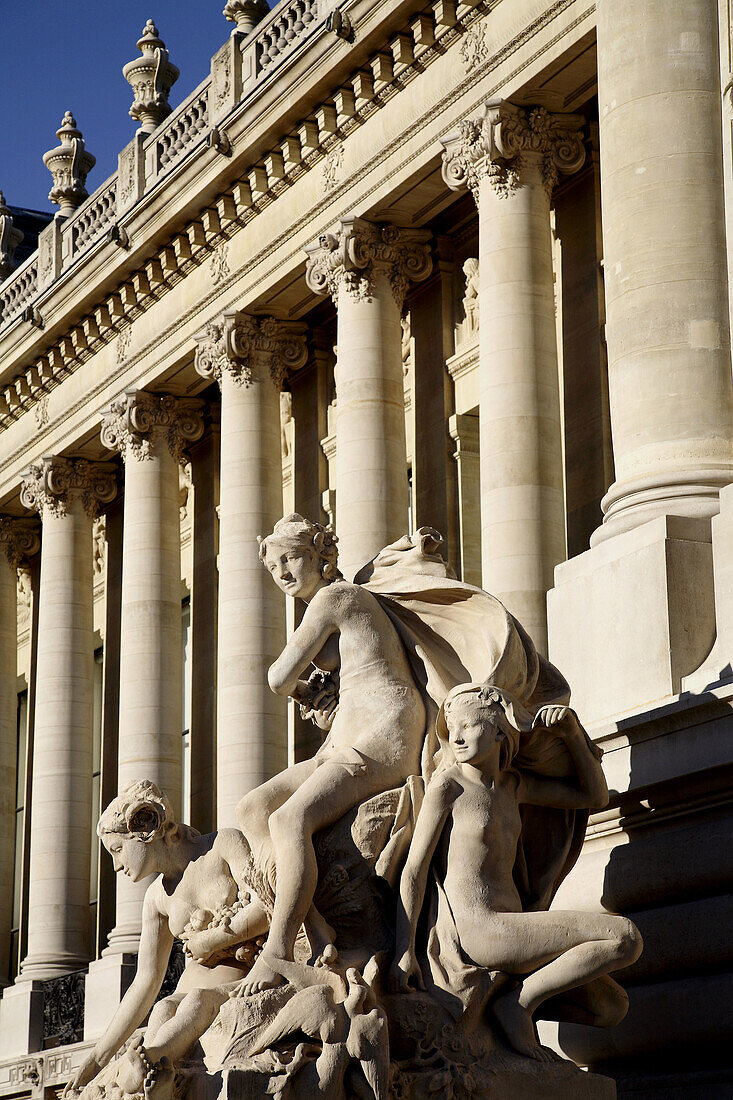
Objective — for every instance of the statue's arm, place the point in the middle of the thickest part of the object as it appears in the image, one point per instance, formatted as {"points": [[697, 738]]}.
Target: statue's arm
{"points": [[304, 645], [156, 941], [588, 789], [439, 798]]}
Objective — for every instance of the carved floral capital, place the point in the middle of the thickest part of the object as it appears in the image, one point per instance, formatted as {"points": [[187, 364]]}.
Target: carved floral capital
{"points": [[250, 349], [53, 484], [19, 538], [137, 422], [352, 259], [505, 140]]}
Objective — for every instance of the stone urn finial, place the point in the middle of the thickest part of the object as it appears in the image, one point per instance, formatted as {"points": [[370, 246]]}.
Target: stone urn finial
{"points": [[69, 164], [151, 77], [245, 13], [10, 238]]}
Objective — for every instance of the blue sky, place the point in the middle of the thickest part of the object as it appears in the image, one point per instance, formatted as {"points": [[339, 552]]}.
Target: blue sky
{"points": [[68, 55]]}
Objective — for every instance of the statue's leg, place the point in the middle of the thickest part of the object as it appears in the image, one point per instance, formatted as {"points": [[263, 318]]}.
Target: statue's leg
{"points": [[334, 787], [161, 1012], [196, 1012], [254, 810]]}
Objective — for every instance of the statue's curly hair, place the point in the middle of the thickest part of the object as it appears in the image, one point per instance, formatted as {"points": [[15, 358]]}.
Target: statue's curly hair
{"points": [[303, 532], [141, 810]]}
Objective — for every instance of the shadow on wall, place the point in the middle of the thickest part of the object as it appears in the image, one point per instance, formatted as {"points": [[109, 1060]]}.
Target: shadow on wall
{"points": [[672, 874]]}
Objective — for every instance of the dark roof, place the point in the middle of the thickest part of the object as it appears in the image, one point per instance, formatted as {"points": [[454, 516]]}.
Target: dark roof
{"points": [[30, 222]]}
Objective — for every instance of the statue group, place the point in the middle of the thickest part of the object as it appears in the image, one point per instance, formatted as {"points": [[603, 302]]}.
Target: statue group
{"points": [[379, 925]]}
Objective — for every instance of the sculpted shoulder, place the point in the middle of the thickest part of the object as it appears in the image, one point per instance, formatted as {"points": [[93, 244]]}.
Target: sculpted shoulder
{"points": [[337, 598]]}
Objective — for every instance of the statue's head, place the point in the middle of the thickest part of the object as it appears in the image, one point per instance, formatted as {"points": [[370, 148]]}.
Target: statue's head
{"points": [[477, 722], [301, 556], [136, 826]]}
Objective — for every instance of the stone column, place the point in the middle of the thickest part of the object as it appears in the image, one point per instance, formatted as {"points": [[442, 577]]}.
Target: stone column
{"points": [[150, 431], [464, 430], [367, 269], [664, 244], [18, 539], [248, 356], [67, 493], [510, 158]]}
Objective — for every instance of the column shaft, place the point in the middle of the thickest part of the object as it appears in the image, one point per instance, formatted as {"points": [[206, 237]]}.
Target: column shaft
{"points": [[668, 337], [8, 751]]}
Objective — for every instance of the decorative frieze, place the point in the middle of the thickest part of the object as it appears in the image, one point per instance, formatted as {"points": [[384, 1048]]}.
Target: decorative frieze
{"points": [[19, 538], [501, 143], [151, 78], [52, 485], [69, 164], [360, 252], [138, 421], [250, 348]]}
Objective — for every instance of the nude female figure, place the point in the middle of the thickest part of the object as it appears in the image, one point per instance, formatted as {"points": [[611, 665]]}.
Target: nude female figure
{"points": [[199, 881], [376, 727], [469, 823]]}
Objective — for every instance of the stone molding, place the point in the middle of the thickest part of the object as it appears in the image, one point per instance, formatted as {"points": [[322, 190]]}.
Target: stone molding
{"points": [[360, 252], [250, 349], [504, 140], [56, 481], [137, 423], [19, 538]]}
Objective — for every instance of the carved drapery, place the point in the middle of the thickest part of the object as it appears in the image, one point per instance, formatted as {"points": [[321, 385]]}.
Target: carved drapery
{"points": [[138, 421], [19, 538], [504, 139], [250, 349], [52, 484], [353, 258]]}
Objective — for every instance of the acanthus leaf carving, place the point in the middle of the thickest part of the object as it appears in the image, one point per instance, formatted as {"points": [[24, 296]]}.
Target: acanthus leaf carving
{"points": [[51, 485], [250, 348], [19, 538], [138, 421]]}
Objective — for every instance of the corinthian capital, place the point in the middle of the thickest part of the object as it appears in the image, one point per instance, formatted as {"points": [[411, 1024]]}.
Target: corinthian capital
{"points": [[251, 349], [137, 423], [53, 484], [504, 140], [352, 259], [19, 538]]}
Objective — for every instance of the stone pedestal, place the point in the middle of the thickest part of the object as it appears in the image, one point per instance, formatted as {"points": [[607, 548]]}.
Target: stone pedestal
{"points": [[511, 159], [671, 393], [367, 269], [150, 431], [248, 356], [106, 984], [21, 1019], [67, 493]]}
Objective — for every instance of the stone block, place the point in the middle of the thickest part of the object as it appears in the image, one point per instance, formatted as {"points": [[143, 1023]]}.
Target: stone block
{"points": [[631, 617], [106, 984], [21, 1019]]}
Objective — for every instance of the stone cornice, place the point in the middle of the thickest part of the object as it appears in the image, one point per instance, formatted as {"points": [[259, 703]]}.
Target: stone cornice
{"points": [[138, 422], [505, 140], [250, 349], [351, 260], [52, 485], [19, 538]]}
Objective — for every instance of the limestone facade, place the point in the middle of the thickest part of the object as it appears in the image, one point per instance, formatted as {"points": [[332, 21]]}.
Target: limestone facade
{"points": [[459, 264]]}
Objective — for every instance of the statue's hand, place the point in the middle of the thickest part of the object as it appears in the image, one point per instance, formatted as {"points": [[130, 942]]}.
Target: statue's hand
{"points": [[86, 1072], [202, 945], [319, 700], [405, 974], [560, 719]]}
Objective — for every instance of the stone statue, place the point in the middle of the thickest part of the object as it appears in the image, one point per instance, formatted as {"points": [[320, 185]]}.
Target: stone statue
{"points": [[380, 928], [468, 327]]}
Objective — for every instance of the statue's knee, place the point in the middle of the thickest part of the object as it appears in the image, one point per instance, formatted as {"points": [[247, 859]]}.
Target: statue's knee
{"points": [[161, 1012], [628, 939]]}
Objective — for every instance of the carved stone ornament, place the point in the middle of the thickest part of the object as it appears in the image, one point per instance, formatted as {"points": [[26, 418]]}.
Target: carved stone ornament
{"points": [[151, 78], [250, 348], [360, 252], [69, 164], [10, 238], [51, 485], [501, 143], [245, 13], [19, 538], [137, 421]]}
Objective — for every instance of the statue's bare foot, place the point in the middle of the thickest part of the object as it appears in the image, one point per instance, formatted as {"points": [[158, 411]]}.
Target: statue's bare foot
{"points": [[516, 1023], [328, 956], [132, 1070], [263, 975], [320, 934]]}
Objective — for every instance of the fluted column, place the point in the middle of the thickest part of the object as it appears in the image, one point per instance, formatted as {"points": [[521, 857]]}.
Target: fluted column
{"points": [[150, 431], [367, 269], [667, 320], [67, 493], [510, 158], [248, 356], [18, 539]]}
